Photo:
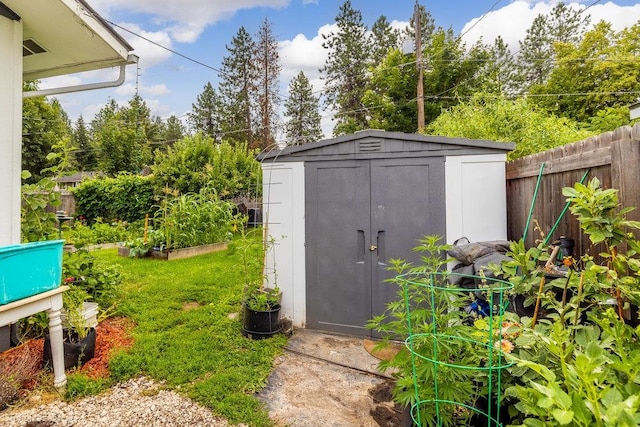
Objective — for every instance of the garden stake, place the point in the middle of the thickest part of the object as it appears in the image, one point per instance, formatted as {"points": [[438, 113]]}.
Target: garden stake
{"points": [[535, 312], [146, 224], [533, 202], [575, 319], [564, 292], [564, 210], [614, 254]]}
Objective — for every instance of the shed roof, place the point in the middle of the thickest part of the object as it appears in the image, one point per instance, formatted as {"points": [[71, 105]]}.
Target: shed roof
{"points": [[382, 144], [64, 37]]}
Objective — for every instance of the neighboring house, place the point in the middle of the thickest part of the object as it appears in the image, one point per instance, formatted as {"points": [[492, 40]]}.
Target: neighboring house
{"points": [[72, 181], [38, 39]]}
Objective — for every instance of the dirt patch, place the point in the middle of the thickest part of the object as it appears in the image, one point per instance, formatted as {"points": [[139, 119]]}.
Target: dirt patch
{"points": [[329, 380], [190, 305]]}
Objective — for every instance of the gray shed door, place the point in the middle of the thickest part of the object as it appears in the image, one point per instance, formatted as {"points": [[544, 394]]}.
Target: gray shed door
{"points": [[360, 214]]}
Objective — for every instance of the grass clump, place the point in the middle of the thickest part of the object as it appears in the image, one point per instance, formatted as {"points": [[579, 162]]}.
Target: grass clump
{"points": [[185, 336]]}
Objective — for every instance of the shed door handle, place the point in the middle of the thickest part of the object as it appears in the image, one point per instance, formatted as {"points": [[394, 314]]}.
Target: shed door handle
{"points": [[373, 248]]}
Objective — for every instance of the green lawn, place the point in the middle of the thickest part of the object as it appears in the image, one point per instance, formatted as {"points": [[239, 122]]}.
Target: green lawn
{"points": [[198, 347]]}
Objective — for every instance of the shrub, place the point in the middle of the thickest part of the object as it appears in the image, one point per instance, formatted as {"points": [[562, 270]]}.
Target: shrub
{"points": [[195, 162], [125, 197]]}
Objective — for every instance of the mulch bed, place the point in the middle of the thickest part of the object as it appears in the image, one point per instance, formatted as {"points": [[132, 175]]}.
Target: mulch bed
{"points": [[24, 364]]}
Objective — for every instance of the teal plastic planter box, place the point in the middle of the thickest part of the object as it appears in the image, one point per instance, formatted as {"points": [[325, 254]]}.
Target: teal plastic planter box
{"points": [[29, 269]]}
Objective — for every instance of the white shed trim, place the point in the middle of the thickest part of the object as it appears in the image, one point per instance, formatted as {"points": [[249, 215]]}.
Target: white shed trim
{"points": [[284, 222]]}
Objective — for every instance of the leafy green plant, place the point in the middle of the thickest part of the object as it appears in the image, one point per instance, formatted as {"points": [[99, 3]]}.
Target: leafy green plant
{"points": [[441, 330], [578, 365], [81, 234], [36, 223], [73, 305], [194, 219], [102, 282], [252, 248]]}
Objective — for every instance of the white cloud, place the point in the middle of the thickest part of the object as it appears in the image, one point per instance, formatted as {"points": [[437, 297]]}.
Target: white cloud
{"points": [[155, 90], [512, 21], [302, 54], [185, 19], [150, 54]]}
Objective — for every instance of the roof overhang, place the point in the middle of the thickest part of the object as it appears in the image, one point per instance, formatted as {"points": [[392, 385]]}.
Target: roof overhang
{"points": [[64, 37]]}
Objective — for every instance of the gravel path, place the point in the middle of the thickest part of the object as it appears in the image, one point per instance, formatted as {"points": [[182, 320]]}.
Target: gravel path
{"points": [[147, 404]]}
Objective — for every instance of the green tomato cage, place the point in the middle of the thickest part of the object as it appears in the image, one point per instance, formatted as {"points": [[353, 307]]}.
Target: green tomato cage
{"points": [[458, 344]]}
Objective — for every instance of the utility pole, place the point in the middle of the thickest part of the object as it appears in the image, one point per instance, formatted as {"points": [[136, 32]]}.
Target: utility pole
{"points": [[420, 88]]}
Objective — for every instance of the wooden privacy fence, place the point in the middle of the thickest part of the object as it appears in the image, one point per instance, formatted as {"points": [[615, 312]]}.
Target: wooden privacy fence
{"points": [[613, 157]]}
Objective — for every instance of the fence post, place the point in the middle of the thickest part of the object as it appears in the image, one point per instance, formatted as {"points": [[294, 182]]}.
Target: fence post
{"points": [[625, 158]]}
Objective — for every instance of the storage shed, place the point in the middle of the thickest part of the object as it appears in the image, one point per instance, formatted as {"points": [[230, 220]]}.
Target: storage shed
{"points": [[339, 209]]}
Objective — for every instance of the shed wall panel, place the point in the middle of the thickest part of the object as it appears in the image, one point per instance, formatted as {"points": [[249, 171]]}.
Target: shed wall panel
{"points": [[476, 202], [283, 217]]}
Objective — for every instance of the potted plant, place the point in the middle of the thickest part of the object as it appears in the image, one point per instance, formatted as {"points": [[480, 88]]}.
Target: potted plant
{"points": [[79, 333], [261, 304]]}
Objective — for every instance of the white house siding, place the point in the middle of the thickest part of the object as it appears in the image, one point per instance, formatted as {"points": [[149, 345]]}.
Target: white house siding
{"points": [[476, 197], [10, 129], [283, 216]]}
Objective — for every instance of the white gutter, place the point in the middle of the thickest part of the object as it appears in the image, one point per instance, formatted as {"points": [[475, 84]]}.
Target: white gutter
{"points": [[131, 59]]}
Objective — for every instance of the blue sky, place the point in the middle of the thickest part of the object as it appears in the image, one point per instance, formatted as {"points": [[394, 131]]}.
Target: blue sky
{"points": [[200, 29]]}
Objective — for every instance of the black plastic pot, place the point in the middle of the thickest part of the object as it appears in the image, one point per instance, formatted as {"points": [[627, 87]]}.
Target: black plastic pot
{"points": [[76, 352], [261, 324]]}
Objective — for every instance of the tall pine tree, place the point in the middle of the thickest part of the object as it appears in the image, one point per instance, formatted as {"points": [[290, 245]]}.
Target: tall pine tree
{"points": [[535, 60], [301, 111], [382, 39], [206, 113], [268, 66], [345, 70], [85, 155], [237, 89]]}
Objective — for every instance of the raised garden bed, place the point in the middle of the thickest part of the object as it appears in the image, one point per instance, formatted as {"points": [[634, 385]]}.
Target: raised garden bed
{"points": [[178, 253]]}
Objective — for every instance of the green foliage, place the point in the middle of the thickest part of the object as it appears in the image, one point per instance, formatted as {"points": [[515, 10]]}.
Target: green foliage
{"points": [[102, 282], [303, 124], [44, 124], [268, 68], [460, 342], [81, 234], [578, 365], [201, 350], [596, 208], [125, 197], [601, 67], [196, 161], [345, 69], [206, 113], [574, 362], [390, 90], [35, 222], [79, 386], [499, 119], [73, 301], [194, 219], [85, 157], [120, 137], [238, 77]]}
